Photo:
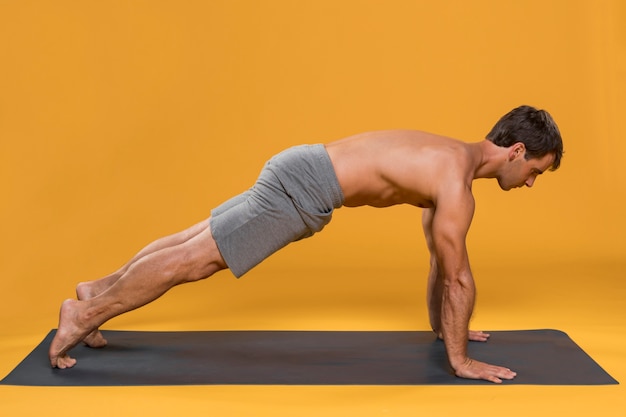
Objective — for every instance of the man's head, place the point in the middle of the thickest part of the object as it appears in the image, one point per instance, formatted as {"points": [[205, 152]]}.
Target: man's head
{"points": [[535, 129]]}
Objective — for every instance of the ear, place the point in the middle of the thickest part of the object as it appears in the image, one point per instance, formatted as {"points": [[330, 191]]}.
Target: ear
{"points": [[517, 150]]}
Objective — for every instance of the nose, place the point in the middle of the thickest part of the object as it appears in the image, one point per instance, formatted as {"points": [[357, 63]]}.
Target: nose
{"points": [[530, 181]]}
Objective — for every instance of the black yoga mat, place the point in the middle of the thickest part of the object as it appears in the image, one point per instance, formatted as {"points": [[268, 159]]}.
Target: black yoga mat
{"points": [[543, 357]]}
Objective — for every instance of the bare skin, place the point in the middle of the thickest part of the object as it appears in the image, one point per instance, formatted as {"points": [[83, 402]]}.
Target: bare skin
{"points": [[74, 325], [382, 169], [91, 289], [378, 169]]}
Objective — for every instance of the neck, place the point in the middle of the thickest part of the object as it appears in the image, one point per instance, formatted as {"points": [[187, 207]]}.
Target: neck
{"points": [[489, 159]]}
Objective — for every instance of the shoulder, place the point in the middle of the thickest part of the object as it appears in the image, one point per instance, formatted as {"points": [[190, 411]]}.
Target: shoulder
{"points": [[454, 167]]}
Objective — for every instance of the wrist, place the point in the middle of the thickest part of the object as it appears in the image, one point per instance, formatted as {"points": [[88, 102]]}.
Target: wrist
{"points": [[460, 362]]}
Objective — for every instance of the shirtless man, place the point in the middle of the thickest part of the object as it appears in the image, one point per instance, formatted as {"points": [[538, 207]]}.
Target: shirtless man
{"points": [[294, 197]]}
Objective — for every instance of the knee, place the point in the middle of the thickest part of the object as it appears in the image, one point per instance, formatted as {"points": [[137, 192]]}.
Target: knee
{"points": [[194, 266], [204, 270], [198, 259]]}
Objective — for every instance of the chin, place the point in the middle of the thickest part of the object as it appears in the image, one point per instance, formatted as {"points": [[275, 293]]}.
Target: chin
{"points": [[504, 187]]}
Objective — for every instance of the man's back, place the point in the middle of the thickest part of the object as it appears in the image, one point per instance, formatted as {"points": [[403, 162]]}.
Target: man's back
{"points": [[385, 168]]}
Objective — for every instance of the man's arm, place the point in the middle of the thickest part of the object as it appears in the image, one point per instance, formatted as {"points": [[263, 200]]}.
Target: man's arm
{"points": [[435, 284], [452, 286], [435, 279]]}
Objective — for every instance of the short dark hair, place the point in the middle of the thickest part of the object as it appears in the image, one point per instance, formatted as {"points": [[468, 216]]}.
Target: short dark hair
{"points": [[534, 128]]}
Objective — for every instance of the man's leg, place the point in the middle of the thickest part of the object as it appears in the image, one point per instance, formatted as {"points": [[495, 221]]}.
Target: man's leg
{"points": [[146, 279], [90, 289]]}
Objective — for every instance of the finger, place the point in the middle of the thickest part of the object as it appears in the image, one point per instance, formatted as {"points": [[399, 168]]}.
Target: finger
{"points": [[504, 373], [508, 375], [477, 336], [494, 379]]}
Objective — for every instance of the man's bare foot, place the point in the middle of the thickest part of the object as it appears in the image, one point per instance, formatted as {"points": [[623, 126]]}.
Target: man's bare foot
{"points": [[85, 291], [68, 335]]}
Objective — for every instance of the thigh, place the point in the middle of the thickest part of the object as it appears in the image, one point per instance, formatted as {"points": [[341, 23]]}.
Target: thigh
{"points": [[263, 222]]}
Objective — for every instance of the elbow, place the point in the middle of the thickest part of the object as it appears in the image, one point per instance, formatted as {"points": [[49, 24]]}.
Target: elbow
{"points": [[459, 281]]}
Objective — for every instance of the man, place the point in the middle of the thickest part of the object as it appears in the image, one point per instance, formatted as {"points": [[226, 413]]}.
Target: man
{"points": [[295, 196]]}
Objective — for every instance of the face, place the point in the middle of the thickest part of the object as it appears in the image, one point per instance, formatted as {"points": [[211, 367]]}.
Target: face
{"points": [[521, 172]]}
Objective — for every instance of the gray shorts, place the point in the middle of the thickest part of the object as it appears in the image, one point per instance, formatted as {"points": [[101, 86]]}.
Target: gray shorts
{"points": [[293, 198]]}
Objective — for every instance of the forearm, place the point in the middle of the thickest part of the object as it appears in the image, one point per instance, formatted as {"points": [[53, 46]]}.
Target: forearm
{"points": [[433, 297], [457, 304]]}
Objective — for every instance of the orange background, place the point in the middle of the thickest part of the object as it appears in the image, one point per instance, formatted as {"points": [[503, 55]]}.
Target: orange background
{"points": [[123, 121]]}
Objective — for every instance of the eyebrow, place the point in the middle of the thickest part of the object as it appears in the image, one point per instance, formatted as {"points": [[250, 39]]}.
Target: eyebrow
{"points": [[538, 171]]}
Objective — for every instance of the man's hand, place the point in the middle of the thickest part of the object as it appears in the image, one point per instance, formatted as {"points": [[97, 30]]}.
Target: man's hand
{"points": [[478, 336], [473, 335], [472, 369]]}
